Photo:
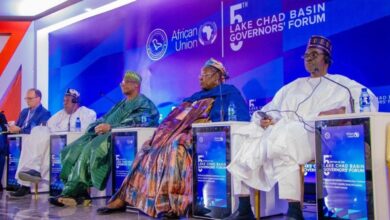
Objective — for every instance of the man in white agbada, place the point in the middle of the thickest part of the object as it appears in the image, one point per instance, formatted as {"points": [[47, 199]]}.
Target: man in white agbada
{"points": [[273, 146], [34, 158]]}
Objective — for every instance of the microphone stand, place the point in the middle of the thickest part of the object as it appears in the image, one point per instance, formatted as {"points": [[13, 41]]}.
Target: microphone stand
{"points": [[221, 112], [351, 100], [70, 116]]}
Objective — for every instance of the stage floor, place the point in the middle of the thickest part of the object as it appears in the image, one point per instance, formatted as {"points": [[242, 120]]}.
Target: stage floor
{"points": [[30, 208]]}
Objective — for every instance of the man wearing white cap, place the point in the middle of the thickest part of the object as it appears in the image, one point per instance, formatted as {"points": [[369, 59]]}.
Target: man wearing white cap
{"points": [[34, 158]]}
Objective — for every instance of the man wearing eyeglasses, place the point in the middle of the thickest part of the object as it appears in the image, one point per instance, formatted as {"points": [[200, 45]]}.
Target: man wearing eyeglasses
{"points": [[34, 164], [281, 135], [146, 182], [35, 114], [87, 161]]}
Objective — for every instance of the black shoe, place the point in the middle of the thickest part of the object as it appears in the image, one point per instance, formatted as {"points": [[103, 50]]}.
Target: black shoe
{"points": [[67, 201], [294, 211], [238, 216], [54, 201], [107, 211], [201, 210], [30, 175], [22, 191]]}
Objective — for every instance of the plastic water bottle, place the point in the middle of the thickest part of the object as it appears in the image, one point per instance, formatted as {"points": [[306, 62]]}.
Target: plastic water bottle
{"points": [[364, 101], [78, 125], [144, 120], [232, 116]]}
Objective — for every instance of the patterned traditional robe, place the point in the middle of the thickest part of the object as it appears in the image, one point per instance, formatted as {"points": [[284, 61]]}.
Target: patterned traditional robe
{"points": [[87, 161], [160, 179]]}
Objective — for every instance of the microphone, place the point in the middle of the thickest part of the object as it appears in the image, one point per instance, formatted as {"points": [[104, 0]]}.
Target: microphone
{"points": [[351, 100], [70, 116], [221, 112]]}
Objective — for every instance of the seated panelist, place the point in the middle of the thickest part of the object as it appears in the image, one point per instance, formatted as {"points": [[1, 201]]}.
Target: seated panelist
{"points": [[87, 161], [160, 179], [34, 162], [280, 136], [35, 114]]}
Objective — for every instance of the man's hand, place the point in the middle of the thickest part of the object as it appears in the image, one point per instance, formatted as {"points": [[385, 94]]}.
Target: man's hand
{"points": [[102, 128], [14, 129], [334, 111], [265, 122]]}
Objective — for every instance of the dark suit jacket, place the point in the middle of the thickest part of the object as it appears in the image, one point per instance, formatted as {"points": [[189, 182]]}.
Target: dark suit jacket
{"points": [[40, 116], [3, 122]]}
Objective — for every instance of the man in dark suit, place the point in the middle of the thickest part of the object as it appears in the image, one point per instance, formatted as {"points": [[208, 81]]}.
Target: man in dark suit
{"points": [[35, 114]]}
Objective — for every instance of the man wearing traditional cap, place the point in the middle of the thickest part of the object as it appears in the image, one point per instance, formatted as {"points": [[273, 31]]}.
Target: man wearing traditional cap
{"points": [[169, 193], [273, 146], [34, 158], [87, 161]]}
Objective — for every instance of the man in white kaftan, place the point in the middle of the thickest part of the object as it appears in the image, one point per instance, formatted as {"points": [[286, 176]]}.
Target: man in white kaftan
{"points": [[35, 159], [273, 147]]}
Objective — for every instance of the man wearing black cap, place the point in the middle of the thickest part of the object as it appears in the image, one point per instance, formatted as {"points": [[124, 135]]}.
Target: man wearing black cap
{"points": [[280, 136], [34, 158]]}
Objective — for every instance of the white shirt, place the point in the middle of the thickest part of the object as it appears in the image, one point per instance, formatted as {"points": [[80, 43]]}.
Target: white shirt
{"points": [[61, 121]]}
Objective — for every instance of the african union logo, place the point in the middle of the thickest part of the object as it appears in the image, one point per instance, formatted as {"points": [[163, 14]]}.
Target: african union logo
{"points": [[207, 33], [327, 135], [157, 44]]}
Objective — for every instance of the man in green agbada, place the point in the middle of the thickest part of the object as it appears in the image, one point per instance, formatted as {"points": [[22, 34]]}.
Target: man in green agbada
{"points": [[87, 161]]}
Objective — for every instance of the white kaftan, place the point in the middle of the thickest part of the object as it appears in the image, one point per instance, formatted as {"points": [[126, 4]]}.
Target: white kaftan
{"points": [[274, 154], [35, 147]]}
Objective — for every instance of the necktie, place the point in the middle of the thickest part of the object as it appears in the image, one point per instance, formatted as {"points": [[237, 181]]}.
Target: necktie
{"points": [[29, 116]]}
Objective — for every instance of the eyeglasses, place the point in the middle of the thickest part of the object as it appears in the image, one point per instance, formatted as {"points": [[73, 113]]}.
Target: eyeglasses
{"points": [[312, 55], [128, 81], [30, 98], [204, 75]]}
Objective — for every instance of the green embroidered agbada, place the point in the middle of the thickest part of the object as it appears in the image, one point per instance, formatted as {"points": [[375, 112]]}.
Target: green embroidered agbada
{"points": [[87, 161]]}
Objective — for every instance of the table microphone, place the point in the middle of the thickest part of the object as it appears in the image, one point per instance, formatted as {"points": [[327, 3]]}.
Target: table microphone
{"points": [[351, 100]]}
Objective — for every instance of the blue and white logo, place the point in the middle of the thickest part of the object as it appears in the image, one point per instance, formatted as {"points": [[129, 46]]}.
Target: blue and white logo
{"points": [[157, 44], [352, 134], [327, 135], [207, 33]]}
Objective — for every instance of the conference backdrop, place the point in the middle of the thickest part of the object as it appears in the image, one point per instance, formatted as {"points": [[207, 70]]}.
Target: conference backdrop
{"points": [[261, 43]]}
